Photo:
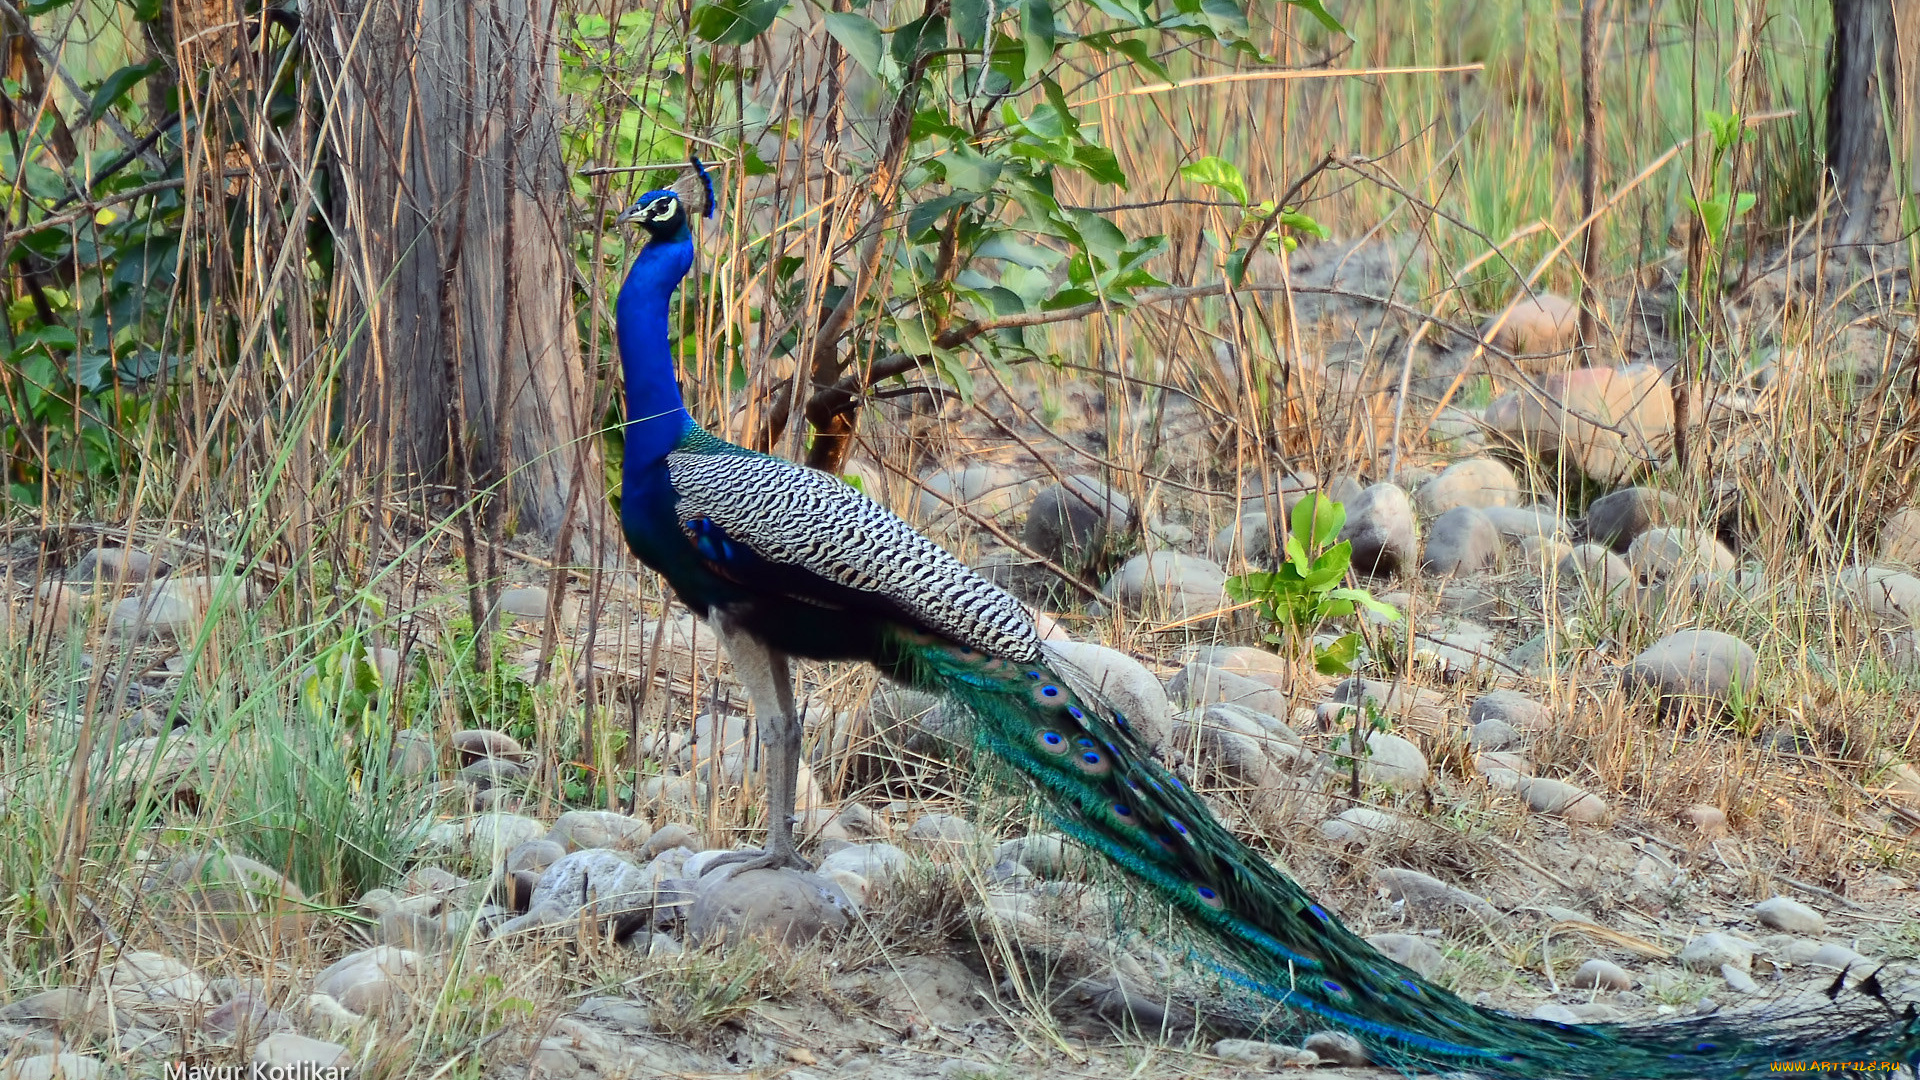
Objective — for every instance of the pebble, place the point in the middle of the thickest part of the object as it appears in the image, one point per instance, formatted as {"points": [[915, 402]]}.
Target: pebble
{"points": [[1599, 974], [945, 833], [1615, 519], [1424, 890], [1338, 1048], [1633, 403], [1511, 707], [54, 1067], [577, 829], [782, 905], [1200, 684], [371, 979], [1521, 524], [525, 602], [1492, 733], [1251, 1054], [1705, 665], [1462, 541], [670, 836], [1121, 681], [109, 565], [1548, 796], [1837, 957], [1883, 597], [157, 615], [1595, 569], [230, 896], [1662, 553], [878, 863], [1711, 821], [413, 755], [1170, 584], [534, 855], [1789, 915], [1410, 951], [1708, 951], [1476, 482], [1044, 855], [1357, 825], [286, 1050], [1388, 759], [478, 744], [987, 490], [1543, 323], [1380, 527], [1899, 543], [1738, 981], [1070, 523]]}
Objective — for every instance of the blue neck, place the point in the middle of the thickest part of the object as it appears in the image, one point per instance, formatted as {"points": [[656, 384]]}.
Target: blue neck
{"points": [[656, 413]]}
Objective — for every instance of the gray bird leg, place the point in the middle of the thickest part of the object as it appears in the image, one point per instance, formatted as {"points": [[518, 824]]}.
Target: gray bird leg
{"points": [[769, 684]]}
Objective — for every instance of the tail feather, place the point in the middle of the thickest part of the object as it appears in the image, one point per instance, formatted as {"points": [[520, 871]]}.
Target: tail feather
{"points": [[1268, 936]]}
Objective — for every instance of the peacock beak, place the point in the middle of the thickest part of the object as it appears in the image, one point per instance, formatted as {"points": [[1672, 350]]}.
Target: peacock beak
{"points": [[630, 215]]}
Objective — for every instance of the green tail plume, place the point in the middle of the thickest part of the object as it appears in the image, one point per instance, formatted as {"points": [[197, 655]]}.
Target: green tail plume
{"points": [[1266, 934]]}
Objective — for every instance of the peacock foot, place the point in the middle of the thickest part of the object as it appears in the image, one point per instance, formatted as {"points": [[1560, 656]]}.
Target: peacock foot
{"points": [[775, 858]]}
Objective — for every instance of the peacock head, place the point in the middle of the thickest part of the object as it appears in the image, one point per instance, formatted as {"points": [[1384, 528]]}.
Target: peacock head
{"points": [[663, 213]]}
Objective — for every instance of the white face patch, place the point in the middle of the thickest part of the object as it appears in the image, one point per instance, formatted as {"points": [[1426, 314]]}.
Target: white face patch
{"points": [[660, 209]]}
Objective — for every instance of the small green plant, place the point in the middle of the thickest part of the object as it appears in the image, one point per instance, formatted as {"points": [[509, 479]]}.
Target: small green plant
{"points": [[1308, 589]]}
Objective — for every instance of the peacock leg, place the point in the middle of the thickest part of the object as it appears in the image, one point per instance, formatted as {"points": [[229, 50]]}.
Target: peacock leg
{"points": [[769, 684]]}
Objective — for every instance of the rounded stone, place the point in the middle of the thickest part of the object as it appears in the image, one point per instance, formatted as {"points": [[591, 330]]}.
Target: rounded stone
{"points": [[1607, 422], [1476, 482], [1708, 952], [1711, 821], [942, 832], [534, 855], [1601, 975], [110, 565], [1171, 584], [878, 863], [1043, 854], [476, 744], [1357, 825], [371, 979], [1492, 734], [1662, 553], [1511, 707], [1790, 916], [284, 1050], [1882, 597], [1070, 522], [62, 1066], [1462, 541], [1409, 951], [1615, 519], [525, 602], [578, 829], [1899, 543], [1540, 324], [1700, 665], [1595, 568], [1380, 526], [1570, 801], [1121, 681], [781, 905]]}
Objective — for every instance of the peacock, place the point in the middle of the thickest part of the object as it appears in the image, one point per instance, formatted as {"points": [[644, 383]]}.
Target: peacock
{"points": [[788, 562]]}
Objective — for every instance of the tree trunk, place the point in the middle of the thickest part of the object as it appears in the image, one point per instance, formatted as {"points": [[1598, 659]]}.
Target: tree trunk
{"points": [[1874, 76], [445, 122]]}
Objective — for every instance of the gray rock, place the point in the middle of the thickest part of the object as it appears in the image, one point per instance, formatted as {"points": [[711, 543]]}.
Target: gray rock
{"points": [[1476, 482], [1663, 553], [1510, 707], [110, 565], [577, 829], [1409, 951], [1838, 957], [1700, 665], [478, 744], [670, 836], [1616, 519], [160, 614], [1462, 541], [1600, 975], [1492, 734], [527, 602], [942, 832], [1899, 542], [1338, 1048], [988, 490], [1709, 820], [1380, 527], [1070, 522], [64, 1066], [878, 863], [782, 905], [372, 979], [1251, 1054], [1170, 584], [489, 773], [1388, 759], [1708, 951], [1120, 681], [1881, 597], [284, 1050], [535, 855], [1789, 915], [1520, 524], [1424, 891], [413, 754], [1200, 684], [1738, 981], [1359, 825], [1557, 797], [1044, 855], [1595, 569]]}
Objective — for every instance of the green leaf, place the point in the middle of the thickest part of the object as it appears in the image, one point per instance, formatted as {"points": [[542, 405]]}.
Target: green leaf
{"points": [[953, 369], [116, 85], [44, 6], [1018, 250], [53, 337], [919, 37], [1742, 203], [1036, 34], [1099, 163], [1294, 219], [860, 37], [1365, 599], [734, 22], [1217, 173], [1338, 657], [1318, 10], [968, 170], [1317, 519], [912, 336], [1137, 51], [970, 22]]}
